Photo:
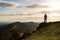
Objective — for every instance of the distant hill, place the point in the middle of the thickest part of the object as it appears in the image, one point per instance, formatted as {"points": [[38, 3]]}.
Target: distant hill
{"points": [[13, 31], [46, 31], [25, 25], [31, 25]]}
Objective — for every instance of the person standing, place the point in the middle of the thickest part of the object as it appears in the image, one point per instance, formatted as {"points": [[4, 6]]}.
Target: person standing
{"points": [[45, 18]]}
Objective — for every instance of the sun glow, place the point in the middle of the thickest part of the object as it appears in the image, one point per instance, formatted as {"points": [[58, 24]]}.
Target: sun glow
{"points": [[54, 5]]}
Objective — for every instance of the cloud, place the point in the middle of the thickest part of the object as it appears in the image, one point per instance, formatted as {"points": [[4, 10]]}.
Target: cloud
{"points": [[37, 6], [4, 4]]}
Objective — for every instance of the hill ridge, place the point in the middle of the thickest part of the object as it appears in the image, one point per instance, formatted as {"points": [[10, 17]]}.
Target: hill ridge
{"points": [[50, 31]]}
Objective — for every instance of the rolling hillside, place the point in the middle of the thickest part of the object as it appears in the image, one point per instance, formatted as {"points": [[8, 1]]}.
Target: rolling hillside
{"points": [[19, 31], [46, 31], [15, 30]]}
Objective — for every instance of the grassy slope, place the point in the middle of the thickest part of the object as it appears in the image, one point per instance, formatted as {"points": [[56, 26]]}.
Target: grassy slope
{"points": [[49, 32]]}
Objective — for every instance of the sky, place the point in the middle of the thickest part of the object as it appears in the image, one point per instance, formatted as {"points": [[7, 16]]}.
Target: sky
{"points": [[29, 10]]}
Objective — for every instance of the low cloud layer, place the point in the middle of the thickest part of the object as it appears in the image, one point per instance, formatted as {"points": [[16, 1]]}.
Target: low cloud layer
{"points": [[37, 6], [9, 5]]}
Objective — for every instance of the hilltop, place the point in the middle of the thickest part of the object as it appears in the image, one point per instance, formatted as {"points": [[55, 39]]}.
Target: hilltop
{"points": [[46, 31]]}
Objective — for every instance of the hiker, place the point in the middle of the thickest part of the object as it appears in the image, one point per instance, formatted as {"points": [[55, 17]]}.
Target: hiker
{"points": [[45, 18]]}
